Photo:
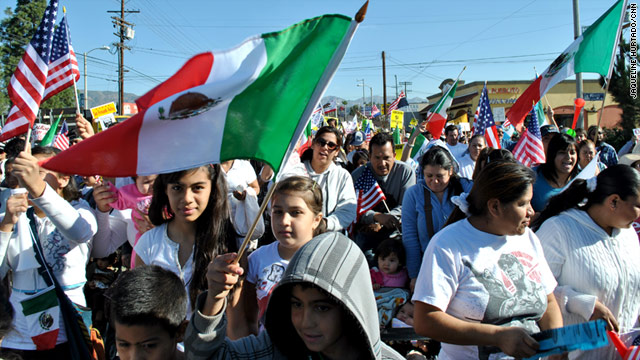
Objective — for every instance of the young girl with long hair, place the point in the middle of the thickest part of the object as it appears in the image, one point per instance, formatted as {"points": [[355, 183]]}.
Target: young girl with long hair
{"points": [[191, 214]]}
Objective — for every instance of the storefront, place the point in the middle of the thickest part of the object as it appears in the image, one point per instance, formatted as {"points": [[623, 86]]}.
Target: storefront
{"points": [[503, 94]]}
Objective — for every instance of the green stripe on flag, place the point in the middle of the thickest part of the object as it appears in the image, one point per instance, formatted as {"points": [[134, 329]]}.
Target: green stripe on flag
{"points": [[47, 140], [417, 145], [594, 53], [272, 106], [40, 303]]}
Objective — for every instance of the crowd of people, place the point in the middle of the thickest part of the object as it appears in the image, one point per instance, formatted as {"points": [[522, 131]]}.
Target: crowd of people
{"points": [[471, 249]]}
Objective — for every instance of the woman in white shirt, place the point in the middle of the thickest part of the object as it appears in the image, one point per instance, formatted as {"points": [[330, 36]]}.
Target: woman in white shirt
{"points": [[65, 225], [593, 251], [484, 286]]}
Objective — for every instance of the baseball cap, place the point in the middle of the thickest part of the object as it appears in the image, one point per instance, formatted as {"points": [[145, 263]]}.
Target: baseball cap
{"points": [[358, 138], [548, 129]]}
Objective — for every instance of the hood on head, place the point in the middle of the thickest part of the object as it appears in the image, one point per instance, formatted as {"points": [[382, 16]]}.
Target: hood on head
{"points": [[335, 264]]}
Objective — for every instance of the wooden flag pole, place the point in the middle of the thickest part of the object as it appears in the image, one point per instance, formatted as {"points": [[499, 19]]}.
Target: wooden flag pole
{"points": [[247, 238]]}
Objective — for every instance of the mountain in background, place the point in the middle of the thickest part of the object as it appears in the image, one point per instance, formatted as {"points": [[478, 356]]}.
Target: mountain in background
{"points": [[102, 97]]}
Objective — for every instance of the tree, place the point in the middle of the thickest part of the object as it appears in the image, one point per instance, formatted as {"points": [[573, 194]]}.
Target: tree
{"points": [[16, 30]]}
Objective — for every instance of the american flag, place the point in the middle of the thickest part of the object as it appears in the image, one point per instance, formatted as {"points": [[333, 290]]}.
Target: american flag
{"points": [[529, 149], [27, 84], [398, 103], [369, 192], [62, 139], [374, 111], [63, 66], [368, 132], [484, 123]]}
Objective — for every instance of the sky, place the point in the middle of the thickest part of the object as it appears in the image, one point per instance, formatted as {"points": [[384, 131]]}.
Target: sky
{"points": [[425, 42]]}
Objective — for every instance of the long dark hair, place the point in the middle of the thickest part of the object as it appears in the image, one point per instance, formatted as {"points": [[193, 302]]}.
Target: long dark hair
{"points": [[308, 154], [559, 142], [621, 180], [503, 180], [214, 232], [439, 156]]}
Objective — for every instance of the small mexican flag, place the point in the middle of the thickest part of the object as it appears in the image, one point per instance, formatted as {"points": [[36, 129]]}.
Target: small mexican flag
{"points": [[592, 52], [248, 102], [42, 312], [438, 117]]}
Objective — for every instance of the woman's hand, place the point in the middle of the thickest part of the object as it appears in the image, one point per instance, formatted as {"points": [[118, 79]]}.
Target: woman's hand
{"points": [[16, 205], [222, 276], [388, 221], [27, 171], [600, 311], [85, 130], [516, 342], [240, 195], [103, 196]]}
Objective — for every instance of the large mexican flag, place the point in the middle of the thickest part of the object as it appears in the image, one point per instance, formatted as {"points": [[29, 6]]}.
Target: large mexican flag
{"points": [[438, 117], [592, 52], [247, 102]]}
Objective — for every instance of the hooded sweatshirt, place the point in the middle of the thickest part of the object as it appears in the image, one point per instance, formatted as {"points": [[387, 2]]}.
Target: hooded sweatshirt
{"points": [[332, 263]]}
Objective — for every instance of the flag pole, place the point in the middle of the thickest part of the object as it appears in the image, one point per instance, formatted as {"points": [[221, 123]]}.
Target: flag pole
{"points": [[247, 238], [414, 133], [613, 55], [73, 76]]}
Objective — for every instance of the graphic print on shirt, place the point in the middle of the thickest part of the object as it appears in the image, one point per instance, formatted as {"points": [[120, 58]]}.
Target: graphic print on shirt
{"points": [[271, 275], [55, 249], [143, 205], [515, 294]]}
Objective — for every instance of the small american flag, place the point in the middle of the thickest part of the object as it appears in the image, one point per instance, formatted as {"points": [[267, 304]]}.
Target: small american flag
{"points": [[62, 139], [529, 149], [27, 84], [368, 133], [374, 111], [369, 192], [398, 102], [63, 66], [484, 121]]}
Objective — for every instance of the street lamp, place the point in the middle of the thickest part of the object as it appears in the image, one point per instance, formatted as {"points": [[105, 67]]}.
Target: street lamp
{"points": [[363, 102], [104, 47]]}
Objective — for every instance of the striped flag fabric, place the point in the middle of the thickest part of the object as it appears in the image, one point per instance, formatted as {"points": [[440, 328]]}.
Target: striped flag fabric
{"points": [[398, 103], [252, 101], [368, 133], [375, 111], [369, 192], [593, 51], [27, 85], [331, 106], [62, 139], [437, 118], [529, 149], [485, 125], [63, 65]]}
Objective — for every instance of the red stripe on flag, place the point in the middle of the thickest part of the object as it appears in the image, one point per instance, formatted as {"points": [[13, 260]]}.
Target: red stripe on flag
{"points": [[194, 72], [104, 151], [523, 105], [26, 85], [491, 135]]}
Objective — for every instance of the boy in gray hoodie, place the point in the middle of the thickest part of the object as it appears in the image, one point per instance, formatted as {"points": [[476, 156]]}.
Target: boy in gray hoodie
{"points": [[323, 308]]}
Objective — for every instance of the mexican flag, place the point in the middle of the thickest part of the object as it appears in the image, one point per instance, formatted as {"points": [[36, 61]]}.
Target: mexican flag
{"points": [[47, 140], [248, 102], [592, 52], [42, 312], [438, 117]]}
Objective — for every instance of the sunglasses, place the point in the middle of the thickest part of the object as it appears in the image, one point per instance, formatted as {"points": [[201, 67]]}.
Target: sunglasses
{"points": [[330, 144]]}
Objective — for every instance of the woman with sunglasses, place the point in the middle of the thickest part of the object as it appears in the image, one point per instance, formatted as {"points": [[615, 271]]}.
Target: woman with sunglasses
{"points": [[338, 194]]}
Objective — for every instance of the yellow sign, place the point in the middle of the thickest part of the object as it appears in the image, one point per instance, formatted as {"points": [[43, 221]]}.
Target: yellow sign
{"points": [[460, 119], [414, 122], [102, 110], [398, 149], [397, 118]]}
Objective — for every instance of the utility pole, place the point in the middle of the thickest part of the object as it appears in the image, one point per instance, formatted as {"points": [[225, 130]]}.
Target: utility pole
{"points": [[384, 86], [576, 33], [363, 101], [396, 76], [405, 83], [125, 33]]}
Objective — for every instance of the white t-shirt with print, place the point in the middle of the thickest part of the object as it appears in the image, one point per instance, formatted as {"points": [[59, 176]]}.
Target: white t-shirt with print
{"points": [[484, 278], [266, 268]]}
